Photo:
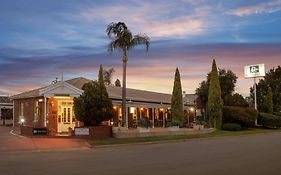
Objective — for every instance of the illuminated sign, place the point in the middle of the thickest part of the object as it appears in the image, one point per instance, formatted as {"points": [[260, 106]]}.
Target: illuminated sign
{"points": [[82, 131], [252, 71]]}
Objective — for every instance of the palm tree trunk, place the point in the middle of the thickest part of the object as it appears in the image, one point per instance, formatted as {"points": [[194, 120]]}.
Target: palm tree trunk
{"points": [[124, 108]]}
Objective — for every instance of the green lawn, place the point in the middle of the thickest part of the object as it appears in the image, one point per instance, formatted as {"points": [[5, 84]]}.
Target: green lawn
{"points": [[112, 141]]}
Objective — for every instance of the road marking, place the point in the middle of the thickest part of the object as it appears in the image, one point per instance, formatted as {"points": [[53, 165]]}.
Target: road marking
{"points": [[12, 132]]}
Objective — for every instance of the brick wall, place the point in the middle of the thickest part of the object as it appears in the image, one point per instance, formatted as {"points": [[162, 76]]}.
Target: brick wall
{"points": [[28, 111]]}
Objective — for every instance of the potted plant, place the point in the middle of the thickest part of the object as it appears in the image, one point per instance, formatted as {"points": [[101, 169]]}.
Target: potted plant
{"points": [[51, 130], [143, 125], [70, 131], [173, 125]]}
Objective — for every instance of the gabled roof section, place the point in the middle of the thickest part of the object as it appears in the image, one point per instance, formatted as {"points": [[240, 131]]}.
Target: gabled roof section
{"points": [[60, 88], [50, 90], [78, 82]]}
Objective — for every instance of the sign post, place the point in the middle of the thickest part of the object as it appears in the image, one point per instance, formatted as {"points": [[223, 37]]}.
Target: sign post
{"points": [[254, 71]]}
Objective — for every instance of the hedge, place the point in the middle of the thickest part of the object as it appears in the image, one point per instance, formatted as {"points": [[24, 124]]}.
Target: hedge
{"points": [[244, 116], [231, 127], [269, 120]]}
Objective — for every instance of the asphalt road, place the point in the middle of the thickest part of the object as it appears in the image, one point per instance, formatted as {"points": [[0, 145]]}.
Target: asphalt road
{"points": [[256, 154]]}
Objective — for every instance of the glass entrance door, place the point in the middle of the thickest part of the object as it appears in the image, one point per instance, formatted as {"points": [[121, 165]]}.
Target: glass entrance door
{"points": [[65, 116]]}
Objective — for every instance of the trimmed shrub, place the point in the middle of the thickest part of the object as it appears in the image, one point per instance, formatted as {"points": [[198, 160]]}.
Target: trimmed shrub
{"points": [[173, 123], [144, 123], [231, 127], [269, 120], [243, 116]]}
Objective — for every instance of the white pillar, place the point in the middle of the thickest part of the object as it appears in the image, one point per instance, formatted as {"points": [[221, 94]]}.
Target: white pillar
{"points": [[127, 117], [45, 111], [0, 112], [255, 95], [164, 117], [136, 116], [152, 117], [13, 113]]}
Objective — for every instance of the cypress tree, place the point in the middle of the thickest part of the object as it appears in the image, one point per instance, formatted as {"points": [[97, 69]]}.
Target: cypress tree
{"points": [[177, 102], [215, 103], [269, 101]]}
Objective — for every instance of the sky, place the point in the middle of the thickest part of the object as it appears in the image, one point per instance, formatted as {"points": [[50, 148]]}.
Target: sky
{"points": [[41, 40]]}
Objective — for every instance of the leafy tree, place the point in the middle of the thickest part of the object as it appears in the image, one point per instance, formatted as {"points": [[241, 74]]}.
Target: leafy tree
{"points": [[272, 79], [94, 106], [235, 100], [107, 75], [269, 102], [227, 81], [202, 93], [117, 83], [122, 39], [177, 102], [215, 103]]}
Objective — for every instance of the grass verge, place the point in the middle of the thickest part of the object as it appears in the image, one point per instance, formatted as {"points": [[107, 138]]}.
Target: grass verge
{"points": [[112, 141]]}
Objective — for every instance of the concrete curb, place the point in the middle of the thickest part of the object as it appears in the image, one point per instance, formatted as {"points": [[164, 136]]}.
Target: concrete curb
{"points": [[15, 134]]}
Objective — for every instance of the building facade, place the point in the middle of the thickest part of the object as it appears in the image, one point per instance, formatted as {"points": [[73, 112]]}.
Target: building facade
{"points": [[52, 106], [6, 108]]}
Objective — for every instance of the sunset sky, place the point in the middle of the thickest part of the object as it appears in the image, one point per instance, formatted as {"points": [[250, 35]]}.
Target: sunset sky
{"points": [[40, 40]]}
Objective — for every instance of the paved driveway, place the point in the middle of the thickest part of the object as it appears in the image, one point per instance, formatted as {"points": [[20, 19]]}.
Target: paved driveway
{"points": [[10, 142]]}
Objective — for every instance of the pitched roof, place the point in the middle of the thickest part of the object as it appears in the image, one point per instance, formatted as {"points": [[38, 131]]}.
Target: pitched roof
{"points": [[114, 92], [5, 99], [190, 99]]}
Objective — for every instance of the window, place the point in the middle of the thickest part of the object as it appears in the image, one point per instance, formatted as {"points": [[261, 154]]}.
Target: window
{"points": [[36, 111], [68, 114], [64, 115]]}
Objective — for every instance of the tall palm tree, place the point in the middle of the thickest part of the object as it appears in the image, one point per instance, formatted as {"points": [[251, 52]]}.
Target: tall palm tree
{"points": [[123, 40]]}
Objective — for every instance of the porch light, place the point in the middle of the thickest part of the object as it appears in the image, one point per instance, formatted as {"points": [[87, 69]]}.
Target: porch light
{"points": [[114, 107], [191, 109], [40, 100], [141, 109], [22, 121]]}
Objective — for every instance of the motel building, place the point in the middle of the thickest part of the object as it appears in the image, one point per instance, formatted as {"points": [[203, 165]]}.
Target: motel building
{"points": [[52, 106]]}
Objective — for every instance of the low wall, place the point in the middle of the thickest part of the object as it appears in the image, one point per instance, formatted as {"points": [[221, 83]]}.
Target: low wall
{"points": [[130, 133], [97, 132], [31, 131], [26, 130]]}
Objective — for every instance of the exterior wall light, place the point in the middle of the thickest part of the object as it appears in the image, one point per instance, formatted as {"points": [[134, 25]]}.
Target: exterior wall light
{"points": [[22, 121]]}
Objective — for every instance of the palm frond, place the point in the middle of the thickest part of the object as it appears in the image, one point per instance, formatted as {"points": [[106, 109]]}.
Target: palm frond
{"points": [[116, 30], [141, 39], [114, 45]]}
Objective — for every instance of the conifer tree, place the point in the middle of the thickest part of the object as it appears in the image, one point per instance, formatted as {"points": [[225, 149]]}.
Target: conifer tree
{"points": [[215, 103], [269, 101], [177, 101]]}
